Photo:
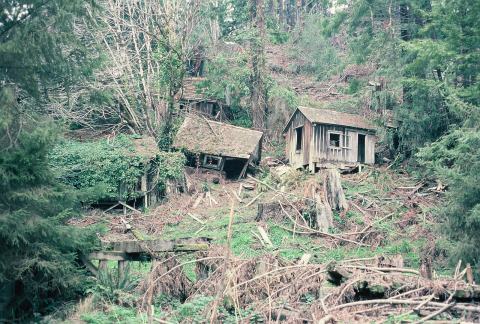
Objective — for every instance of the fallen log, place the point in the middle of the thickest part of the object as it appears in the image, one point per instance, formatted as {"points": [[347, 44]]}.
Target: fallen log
{"points": [[161, 245], [460, 307], [264, 236], [382, 282]]}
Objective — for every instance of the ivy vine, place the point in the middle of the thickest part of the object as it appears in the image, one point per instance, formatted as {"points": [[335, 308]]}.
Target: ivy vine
{"points": [[110, 169]]}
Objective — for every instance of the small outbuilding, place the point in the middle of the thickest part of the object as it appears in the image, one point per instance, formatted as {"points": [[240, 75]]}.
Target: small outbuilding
{"points": [[317, 136], [147, 149], [219, 146], [191, 98]]}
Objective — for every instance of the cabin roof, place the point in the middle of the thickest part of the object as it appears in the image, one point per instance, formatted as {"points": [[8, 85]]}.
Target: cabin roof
{"points": [[191, 92], [210, 137], [332, 117], [145, 147]]}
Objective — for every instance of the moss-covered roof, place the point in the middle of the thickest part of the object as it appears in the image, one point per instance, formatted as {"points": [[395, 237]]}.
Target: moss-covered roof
{"points": [[210, 137], [145, 147]]}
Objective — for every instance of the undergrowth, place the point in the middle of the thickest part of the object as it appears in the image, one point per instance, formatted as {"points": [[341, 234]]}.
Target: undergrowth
{"points": [[111, 169], [375, 187]]}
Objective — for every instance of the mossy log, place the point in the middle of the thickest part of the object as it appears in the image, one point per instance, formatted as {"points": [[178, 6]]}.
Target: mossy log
{"points": [[199, 244], [337, 275], [370, 287]]}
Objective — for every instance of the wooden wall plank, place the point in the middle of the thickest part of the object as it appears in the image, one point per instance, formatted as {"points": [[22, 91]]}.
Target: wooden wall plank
{"points": [[315, 147]]}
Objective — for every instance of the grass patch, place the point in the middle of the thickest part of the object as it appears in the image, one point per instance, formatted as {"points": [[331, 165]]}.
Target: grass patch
{"points": [[114, 314]]}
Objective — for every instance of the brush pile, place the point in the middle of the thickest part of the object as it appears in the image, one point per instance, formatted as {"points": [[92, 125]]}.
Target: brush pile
{"points": [[360, 290]]}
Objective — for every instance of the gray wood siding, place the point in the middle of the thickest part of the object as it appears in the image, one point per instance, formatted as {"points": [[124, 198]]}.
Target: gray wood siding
{"points": [[301, 158], [348, 150], [315, 143]]}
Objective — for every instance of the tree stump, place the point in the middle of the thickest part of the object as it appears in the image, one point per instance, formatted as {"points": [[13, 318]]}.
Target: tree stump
{"points": [[333, 191], [324, 214]]}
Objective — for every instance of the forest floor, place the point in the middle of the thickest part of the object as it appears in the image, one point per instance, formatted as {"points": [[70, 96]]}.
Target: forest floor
{"points": [[285, 273]]}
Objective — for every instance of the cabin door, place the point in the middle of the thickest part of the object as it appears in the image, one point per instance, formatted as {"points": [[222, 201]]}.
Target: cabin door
{"points": [[361, 148]]}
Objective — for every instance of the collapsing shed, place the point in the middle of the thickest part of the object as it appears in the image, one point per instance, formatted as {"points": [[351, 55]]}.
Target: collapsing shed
{"points": [[118, 171], [315, 136], [220, 146], [192, 99], [147, 149]]}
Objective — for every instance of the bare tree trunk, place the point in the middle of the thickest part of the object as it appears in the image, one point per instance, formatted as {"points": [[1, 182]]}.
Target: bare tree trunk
{"points": [[258, 95], [281, 13], [148, 43], [289, 14]]}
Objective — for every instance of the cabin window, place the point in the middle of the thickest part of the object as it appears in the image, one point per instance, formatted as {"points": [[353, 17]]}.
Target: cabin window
{"points": [[346, 141], [334, 139], [299, 138], [212, 162]]}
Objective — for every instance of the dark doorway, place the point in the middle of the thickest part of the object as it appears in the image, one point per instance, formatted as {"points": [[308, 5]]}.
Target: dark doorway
{"points": [[361, 148], [299, 132], [233, 167]]}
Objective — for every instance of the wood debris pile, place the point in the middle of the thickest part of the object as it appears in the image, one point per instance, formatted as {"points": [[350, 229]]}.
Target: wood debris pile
{"points": [[351, 290]]}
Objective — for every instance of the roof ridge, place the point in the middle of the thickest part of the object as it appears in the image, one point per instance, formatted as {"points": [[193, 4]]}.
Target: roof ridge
{"points": [[331, 110], [332, 117], [228, 125], [238, 127]]}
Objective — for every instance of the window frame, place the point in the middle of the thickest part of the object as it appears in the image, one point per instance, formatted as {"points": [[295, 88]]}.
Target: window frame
{"points": [[340, 135], [216, 166], [349, 137]]}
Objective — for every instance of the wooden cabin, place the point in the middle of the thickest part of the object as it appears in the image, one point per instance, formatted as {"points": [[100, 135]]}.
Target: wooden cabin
{"points": [[219, 146], [147, 148], [318, 136], [146, 191], [191, 98]]}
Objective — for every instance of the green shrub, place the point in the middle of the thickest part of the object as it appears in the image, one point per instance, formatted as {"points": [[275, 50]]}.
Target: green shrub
{"points": [[109, 169], [354, 86], [114, 314], [115, 287]]}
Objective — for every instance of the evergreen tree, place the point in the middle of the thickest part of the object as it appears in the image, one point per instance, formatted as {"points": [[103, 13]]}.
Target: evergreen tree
{"points": [[440, 72], [39, 250], [446, 67], [39, 55]]}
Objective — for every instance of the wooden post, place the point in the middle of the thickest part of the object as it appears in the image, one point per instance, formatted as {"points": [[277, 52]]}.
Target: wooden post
{"points": [[469, 274], [259, 212], [121, 269], [102, 265], [312, 154], [245, 167], [144, 189]]}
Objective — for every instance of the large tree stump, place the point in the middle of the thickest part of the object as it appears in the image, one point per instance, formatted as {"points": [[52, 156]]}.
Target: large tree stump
{"points": [[324, 213], [333, 191]]}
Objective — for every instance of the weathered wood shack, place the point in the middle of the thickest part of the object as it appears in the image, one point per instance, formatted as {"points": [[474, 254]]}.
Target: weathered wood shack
{"points": [[219, 146], [317, 136], [191, 98], [145, 193], [147, 148]]}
